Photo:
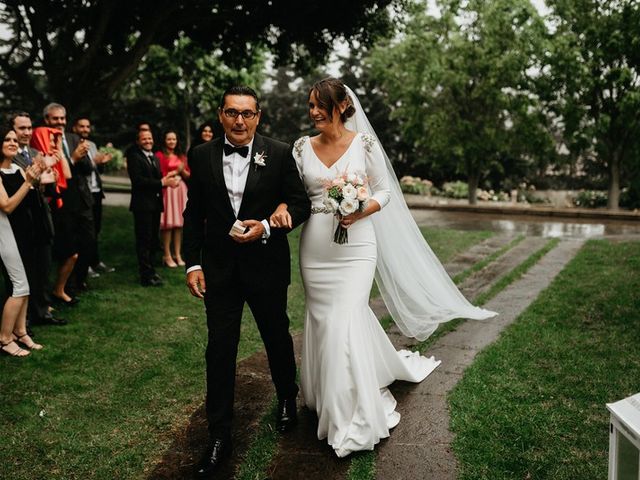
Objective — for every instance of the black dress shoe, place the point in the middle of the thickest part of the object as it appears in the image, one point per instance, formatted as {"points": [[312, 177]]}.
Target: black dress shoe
{"points": [[50, 321], [286, 416], [154, 281], [220, 451]]}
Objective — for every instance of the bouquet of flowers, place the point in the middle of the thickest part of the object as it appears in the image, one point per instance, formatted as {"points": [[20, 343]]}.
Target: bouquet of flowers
{"points": [[345, 194]]}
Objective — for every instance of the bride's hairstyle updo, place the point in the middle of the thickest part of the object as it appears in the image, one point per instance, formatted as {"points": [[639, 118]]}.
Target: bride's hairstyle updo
{"points": [[331, 93]]}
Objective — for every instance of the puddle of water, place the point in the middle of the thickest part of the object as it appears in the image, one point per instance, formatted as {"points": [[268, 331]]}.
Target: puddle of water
{"points": [[526, 225]]}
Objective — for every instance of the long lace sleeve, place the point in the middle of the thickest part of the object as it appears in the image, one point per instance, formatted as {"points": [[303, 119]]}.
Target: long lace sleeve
{"points": [[376, 170]]}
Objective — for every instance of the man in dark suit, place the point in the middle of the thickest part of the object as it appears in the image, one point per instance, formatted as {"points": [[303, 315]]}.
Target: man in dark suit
{"points": [[146, 203], [82, 128], [241, 178], [39, 298]]}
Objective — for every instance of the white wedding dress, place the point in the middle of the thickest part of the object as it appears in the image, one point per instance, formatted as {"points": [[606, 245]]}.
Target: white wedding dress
{"points": [[347, 358]]}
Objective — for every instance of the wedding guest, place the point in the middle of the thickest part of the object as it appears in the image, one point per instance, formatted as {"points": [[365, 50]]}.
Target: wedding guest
{"points": [[15, 241], [146, 204], [74, 220], [140, 127], [171, 158], [39, 310], [204, 134], [82, 128]]}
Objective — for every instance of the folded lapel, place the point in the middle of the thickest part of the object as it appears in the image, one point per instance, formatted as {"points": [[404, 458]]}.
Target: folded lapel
{"points": [[254, 171], [218, 175], [155, 166]]}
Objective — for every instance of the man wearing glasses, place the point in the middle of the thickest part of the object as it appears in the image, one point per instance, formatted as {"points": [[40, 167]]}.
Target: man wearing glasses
{"points": [[233, 256]]}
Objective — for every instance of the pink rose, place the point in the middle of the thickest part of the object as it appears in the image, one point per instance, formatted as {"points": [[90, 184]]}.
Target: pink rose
{"points": [[363, 193]]}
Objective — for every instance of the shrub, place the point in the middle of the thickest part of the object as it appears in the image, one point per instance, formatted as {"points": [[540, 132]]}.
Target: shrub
{"points": [[416, 185], [590, 199], [117, 160], [458, 189], [526, 194]]}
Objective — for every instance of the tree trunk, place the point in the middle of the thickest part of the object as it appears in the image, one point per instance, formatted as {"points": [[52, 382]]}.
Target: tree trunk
{"points": [[613, 197], [187, 129], [473, 179]]}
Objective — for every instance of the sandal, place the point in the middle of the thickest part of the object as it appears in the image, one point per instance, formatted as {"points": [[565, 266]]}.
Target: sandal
{"points": [[20, 352], [28, 341]]}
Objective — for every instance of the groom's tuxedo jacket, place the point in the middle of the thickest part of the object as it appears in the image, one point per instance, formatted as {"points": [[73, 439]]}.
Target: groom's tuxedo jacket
{"points": [[209, 215]]}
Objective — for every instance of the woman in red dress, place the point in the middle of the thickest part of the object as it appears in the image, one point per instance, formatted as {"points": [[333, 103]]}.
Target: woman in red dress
{"points": [[173, 160]]}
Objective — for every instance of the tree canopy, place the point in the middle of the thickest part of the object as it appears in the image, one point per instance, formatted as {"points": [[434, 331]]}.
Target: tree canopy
{"points": [[459, 84], [80, 52], [592, 77]]}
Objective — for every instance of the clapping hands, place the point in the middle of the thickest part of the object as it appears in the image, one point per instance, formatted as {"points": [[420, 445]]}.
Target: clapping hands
{"points": [[102, 158], [32, 173], [80, 151], [171, 179]]}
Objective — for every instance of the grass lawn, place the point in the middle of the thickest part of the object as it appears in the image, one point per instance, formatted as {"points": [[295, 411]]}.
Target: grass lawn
{"points": [[100, 401], [532, 405]]}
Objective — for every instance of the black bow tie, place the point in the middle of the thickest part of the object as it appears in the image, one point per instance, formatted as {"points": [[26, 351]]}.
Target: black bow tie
{"points": [[230, 150]]}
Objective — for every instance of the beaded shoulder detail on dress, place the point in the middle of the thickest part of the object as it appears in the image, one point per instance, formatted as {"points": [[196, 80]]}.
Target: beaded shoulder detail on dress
{"points": [[368, 141], [298, 145]]}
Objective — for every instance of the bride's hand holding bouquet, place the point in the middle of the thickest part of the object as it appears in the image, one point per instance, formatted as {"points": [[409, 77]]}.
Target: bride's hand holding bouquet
{"points": [[346, 196]]}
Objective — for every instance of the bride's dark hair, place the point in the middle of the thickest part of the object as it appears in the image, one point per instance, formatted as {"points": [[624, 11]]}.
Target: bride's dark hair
{"points": [[331, 93]]}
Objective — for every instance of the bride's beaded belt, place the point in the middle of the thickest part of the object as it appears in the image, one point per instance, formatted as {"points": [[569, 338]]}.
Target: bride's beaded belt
{"points": [[320, 210]]}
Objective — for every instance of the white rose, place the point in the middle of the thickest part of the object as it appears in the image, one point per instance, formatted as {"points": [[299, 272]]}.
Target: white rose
{"points": [[363, 193], [331, 204], [348, 206], [349, 192]]}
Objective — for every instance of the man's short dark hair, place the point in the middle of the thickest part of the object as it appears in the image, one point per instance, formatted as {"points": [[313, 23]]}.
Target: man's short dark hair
{"points": [[81, 118], [13, 115], [240, 90], [140, 132]]}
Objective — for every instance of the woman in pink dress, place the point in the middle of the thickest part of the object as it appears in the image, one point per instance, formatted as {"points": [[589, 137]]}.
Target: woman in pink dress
{"points": [[172, 159]]}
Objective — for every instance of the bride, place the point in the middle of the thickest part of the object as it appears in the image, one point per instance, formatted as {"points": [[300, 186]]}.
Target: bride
{"points": [[347, 358]]}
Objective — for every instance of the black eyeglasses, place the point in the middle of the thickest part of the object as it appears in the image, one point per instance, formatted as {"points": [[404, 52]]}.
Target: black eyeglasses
{"points": [[246, 114]]}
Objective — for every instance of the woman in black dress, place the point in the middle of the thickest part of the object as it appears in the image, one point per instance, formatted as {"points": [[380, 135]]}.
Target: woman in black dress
{"points": [[18, 236]]}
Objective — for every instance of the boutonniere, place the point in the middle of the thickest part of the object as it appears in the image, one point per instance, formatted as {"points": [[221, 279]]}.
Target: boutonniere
{"points": [[259, 159]]}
